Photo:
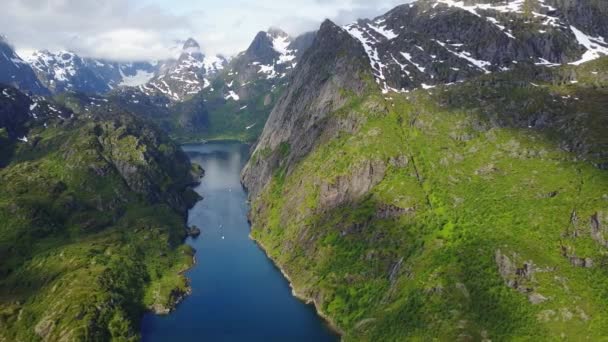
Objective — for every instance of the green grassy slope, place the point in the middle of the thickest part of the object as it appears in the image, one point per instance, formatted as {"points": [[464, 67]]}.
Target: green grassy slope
{"points": [[91, 229], [477, 224], [243, 120]]}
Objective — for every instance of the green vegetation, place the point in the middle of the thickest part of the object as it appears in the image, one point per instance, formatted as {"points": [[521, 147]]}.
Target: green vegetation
{"points": [[231, 120], [481, 226], [91, 229]]}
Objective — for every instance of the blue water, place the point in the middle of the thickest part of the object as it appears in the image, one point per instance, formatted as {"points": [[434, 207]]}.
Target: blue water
{"points": [[237, 293]]}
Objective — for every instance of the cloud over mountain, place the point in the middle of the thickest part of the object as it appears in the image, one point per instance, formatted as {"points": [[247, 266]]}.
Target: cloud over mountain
{"points": [[147, 29]]}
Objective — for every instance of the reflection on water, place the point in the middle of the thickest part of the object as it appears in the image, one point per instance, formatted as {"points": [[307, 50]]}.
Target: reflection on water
{"points": [[238, 294]]}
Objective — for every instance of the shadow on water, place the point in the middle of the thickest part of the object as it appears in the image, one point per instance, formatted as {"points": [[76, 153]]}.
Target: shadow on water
{"points": [[237, 292]]}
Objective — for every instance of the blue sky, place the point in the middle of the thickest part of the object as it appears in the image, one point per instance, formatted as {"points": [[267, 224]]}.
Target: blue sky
{"points": [[148, 29]]}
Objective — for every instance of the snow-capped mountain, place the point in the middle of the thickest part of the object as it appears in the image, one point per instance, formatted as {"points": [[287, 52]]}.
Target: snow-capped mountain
{"points": [[16, 72], [264, 66], [20, 111], [432, 42], [271, 54], [186, 76], [66, 71]]}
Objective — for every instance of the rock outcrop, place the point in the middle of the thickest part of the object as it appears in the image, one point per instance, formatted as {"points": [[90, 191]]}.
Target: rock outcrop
{"points": [[350, 188], [599, 227], [520, 278]]}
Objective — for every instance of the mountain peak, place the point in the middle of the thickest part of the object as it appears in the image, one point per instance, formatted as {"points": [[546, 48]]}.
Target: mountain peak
{"points": [[276, 32], [328, 24], [191, 44]]}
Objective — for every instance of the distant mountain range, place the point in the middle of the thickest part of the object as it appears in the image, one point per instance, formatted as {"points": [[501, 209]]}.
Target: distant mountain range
{"points": [[192, 95]]}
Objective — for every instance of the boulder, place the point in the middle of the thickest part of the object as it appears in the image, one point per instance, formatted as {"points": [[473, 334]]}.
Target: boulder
{"points": [[194, 232]]}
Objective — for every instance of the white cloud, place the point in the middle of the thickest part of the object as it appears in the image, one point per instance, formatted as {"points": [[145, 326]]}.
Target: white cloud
{"points": [[148, 29]]}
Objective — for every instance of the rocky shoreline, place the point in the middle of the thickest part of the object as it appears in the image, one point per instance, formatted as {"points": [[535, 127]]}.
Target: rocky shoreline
{"points": [[300, 296], [177, 295]]}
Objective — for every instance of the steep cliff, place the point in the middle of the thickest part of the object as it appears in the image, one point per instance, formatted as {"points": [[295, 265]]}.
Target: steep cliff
{"points": [[332, 72]]}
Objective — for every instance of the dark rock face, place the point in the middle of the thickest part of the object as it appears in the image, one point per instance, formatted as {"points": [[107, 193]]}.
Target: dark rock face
{"points": [[270, 57], [336, 63], [591, 16], [261, 49], [20, 112], [15, 72], [302, 43], [14, 111], [353, 187], [190, 43], [433, 42]]}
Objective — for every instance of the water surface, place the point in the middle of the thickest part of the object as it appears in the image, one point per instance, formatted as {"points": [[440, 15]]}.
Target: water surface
{"points": [[237, 293]]}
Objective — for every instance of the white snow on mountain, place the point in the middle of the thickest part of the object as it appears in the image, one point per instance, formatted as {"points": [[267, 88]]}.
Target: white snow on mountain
{"points": [[508, 6], [232, 95], [141, 77], [483, 65], [596, 46], [389, 34], [368, 41], [186, 76], [380, 36], [213, 64], [280, 44], [58, 66]]}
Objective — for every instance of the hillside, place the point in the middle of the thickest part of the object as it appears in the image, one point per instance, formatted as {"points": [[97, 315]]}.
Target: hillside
{"points": [[93, 211], [430, 203]]}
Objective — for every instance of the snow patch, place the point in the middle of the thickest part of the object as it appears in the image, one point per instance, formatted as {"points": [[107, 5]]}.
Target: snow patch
{"points": [[387, 33], [232, 95], [409, 59], [596, 46], [141, 77], [467, 56], [511, 6]]}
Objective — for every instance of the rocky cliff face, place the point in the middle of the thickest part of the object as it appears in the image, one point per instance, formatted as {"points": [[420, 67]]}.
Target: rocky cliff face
{"points": [[444, 41], [240, 98], [330, 71], [16, 72]]}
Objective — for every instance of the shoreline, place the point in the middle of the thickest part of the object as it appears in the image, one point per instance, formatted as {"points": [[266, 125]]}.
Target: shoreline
{"points": [[301, 297], [180, 296]]}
